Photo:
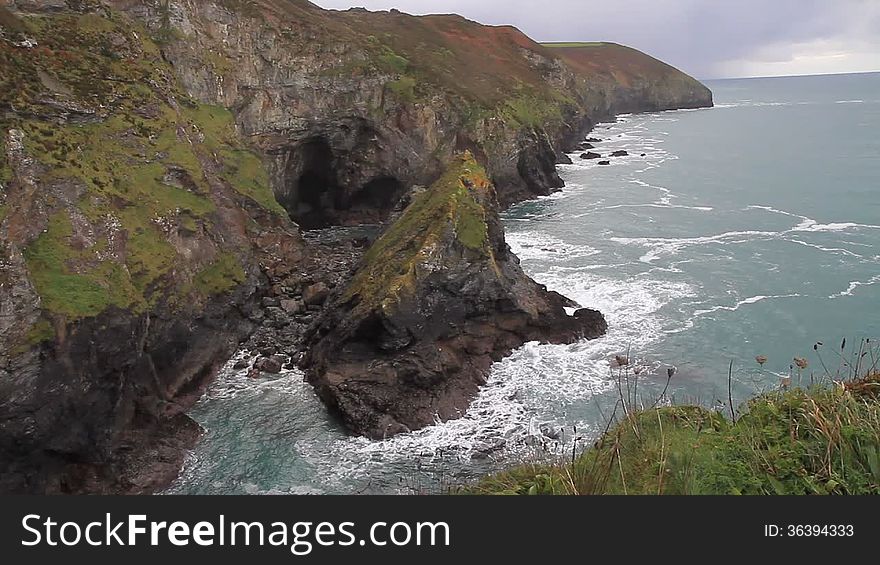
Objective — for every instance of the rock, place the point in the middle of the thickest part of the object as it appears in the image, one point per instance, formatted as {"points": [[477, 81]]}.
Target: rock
{"points": [[563, 159], [593, 140], [292, 307], [242, 364], [483, 449], [399, 347], [316, 294], [550, 432], [270, 302], [604, 163], [620, 154], [587, 146], [272, 364], [644, 154], [591, 155]]}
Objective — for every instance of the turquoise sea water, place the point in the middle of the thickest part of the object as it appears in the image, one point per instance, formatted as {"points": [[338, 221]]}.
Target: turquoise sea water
{"points": [[749, 229]]}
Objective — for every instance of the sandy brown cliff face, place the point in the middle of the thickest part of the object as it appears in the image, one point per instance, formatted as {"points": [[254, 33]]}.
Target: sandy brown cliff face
{"points": [[152, 154]]}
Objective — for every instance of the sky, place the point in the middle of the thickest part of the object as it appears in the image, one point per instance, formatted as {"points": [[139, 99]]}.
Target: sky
{"points": [[706, 38]]}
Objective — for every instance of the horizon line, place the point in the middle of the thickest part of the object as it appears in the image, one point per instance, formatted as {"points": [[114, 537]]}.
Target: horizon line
{"points": [[841, 73]]}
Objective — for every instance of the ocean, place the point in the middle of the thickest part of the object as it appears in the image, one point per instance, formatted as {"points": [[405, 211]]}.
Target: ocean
{"points": [[749, 229]]}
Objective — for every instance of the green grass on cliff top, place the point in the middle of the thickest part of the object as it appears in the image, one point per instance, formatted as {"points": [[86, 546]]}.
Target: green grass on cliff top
{"points": [[449, 208], [821, 440]]}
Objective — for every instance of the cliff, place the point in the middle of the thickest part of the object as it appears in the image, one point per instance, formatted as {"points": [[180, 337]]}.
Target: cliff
{"points": [[132, 225], [152, 156], [623, 80], [435, 301]]}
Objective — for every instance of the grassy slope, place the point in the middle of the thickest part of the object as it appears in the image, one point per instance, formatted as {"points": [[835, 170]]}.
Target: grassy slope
{"points": [[624, 65], [825, 440], [140, 128]]}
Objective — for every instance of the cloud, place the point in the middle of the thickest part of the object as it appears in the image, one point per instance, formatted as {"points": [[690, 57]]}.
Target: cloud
{"points": [[708, 38]]}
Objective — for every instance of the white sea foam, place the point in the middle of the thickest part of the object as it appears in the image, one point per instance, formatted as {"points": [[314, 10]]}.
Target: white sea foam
{"points": [[854, 285], [741, 303], [663, 247], [535, 245]]}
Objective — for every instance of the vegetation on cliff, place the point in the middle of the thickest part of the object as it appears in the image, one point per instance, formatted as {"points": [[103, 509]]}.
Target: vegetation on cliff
{"points": [[128, 162], [454, 202], [824, 439]]}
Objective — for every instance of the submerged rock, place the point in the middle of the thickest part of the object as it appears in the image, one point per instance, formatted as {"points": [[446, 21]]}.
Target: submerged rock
{"points": [[604, 163], [436, 300], [591, 155]]}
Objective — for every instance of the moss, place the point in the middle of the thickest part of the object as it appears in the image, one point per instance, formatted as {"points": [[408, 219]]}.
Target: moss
{"points": [[404, 88], [68, 282], [221, 276], [531, 111], [824, 440], [390, 61], [145, 161], [41, 332], [242, 168], [450, 204]]}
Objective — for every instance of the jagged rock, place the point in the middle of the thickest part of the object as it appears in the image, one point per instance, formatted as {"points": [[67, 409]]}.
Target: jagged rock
{"points": [[593, 140], [316, 294], [242, 364], [437, 300], [272, 364], [591, 155], [292, 307], [620, 154]]}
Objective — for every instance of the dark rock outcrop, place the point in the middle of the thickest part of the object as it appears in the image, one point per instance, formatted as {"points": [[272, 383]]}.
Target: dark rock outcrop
{"points": [[589, 155], [437, 299], [620, 154]]}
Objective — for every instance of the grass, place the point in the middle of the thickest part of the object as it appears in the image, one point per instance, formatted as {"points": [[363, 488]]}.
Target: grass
{"points": [[450, 204], [68, 282], [147, 162], [821, 439], [221, 276]]}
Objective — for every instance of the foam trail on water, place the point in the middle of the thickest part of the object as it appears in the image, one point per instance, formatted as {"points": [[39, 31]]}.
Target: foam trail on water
{"points": [[741, 303], [854, 285]]}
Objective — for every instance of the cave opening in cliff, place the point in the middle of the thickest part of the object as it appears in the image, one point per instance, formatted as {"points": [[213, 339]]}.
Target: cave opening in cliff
{"points": [[312, 186], [379, 195]]}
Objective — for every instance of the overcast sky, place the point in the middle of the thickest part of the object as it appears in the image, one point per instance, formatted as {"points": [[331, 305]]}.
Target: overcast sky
{"points": [[707, 38]]}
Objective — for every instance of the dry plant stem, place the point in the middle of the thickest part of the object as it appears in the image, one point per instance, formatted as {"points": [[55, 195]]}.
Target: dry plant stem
{"points": [[730, 391]]}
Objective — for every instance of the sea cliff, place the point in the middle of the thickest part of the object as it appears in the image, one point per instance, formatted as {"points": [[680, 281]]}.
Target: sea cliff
{"points": [[158, 159]]}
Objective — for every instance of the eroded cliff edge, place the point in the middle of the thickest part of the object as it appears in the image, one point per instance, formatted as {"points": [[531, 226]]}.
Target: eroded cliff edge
{"points": [[153, 154], [435, 301]]}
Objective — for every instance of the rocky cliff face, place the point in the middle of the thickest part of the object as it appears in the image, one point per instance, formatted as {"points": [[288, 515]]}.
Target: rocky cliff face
{"points": [[152, 155], [353, 108], [436, 300], [132, 226]]}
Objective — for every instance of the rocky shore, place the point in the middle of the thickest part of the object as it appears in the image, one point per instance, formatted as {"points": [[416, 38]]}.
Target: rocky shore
{"points": [[159, 161]]}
